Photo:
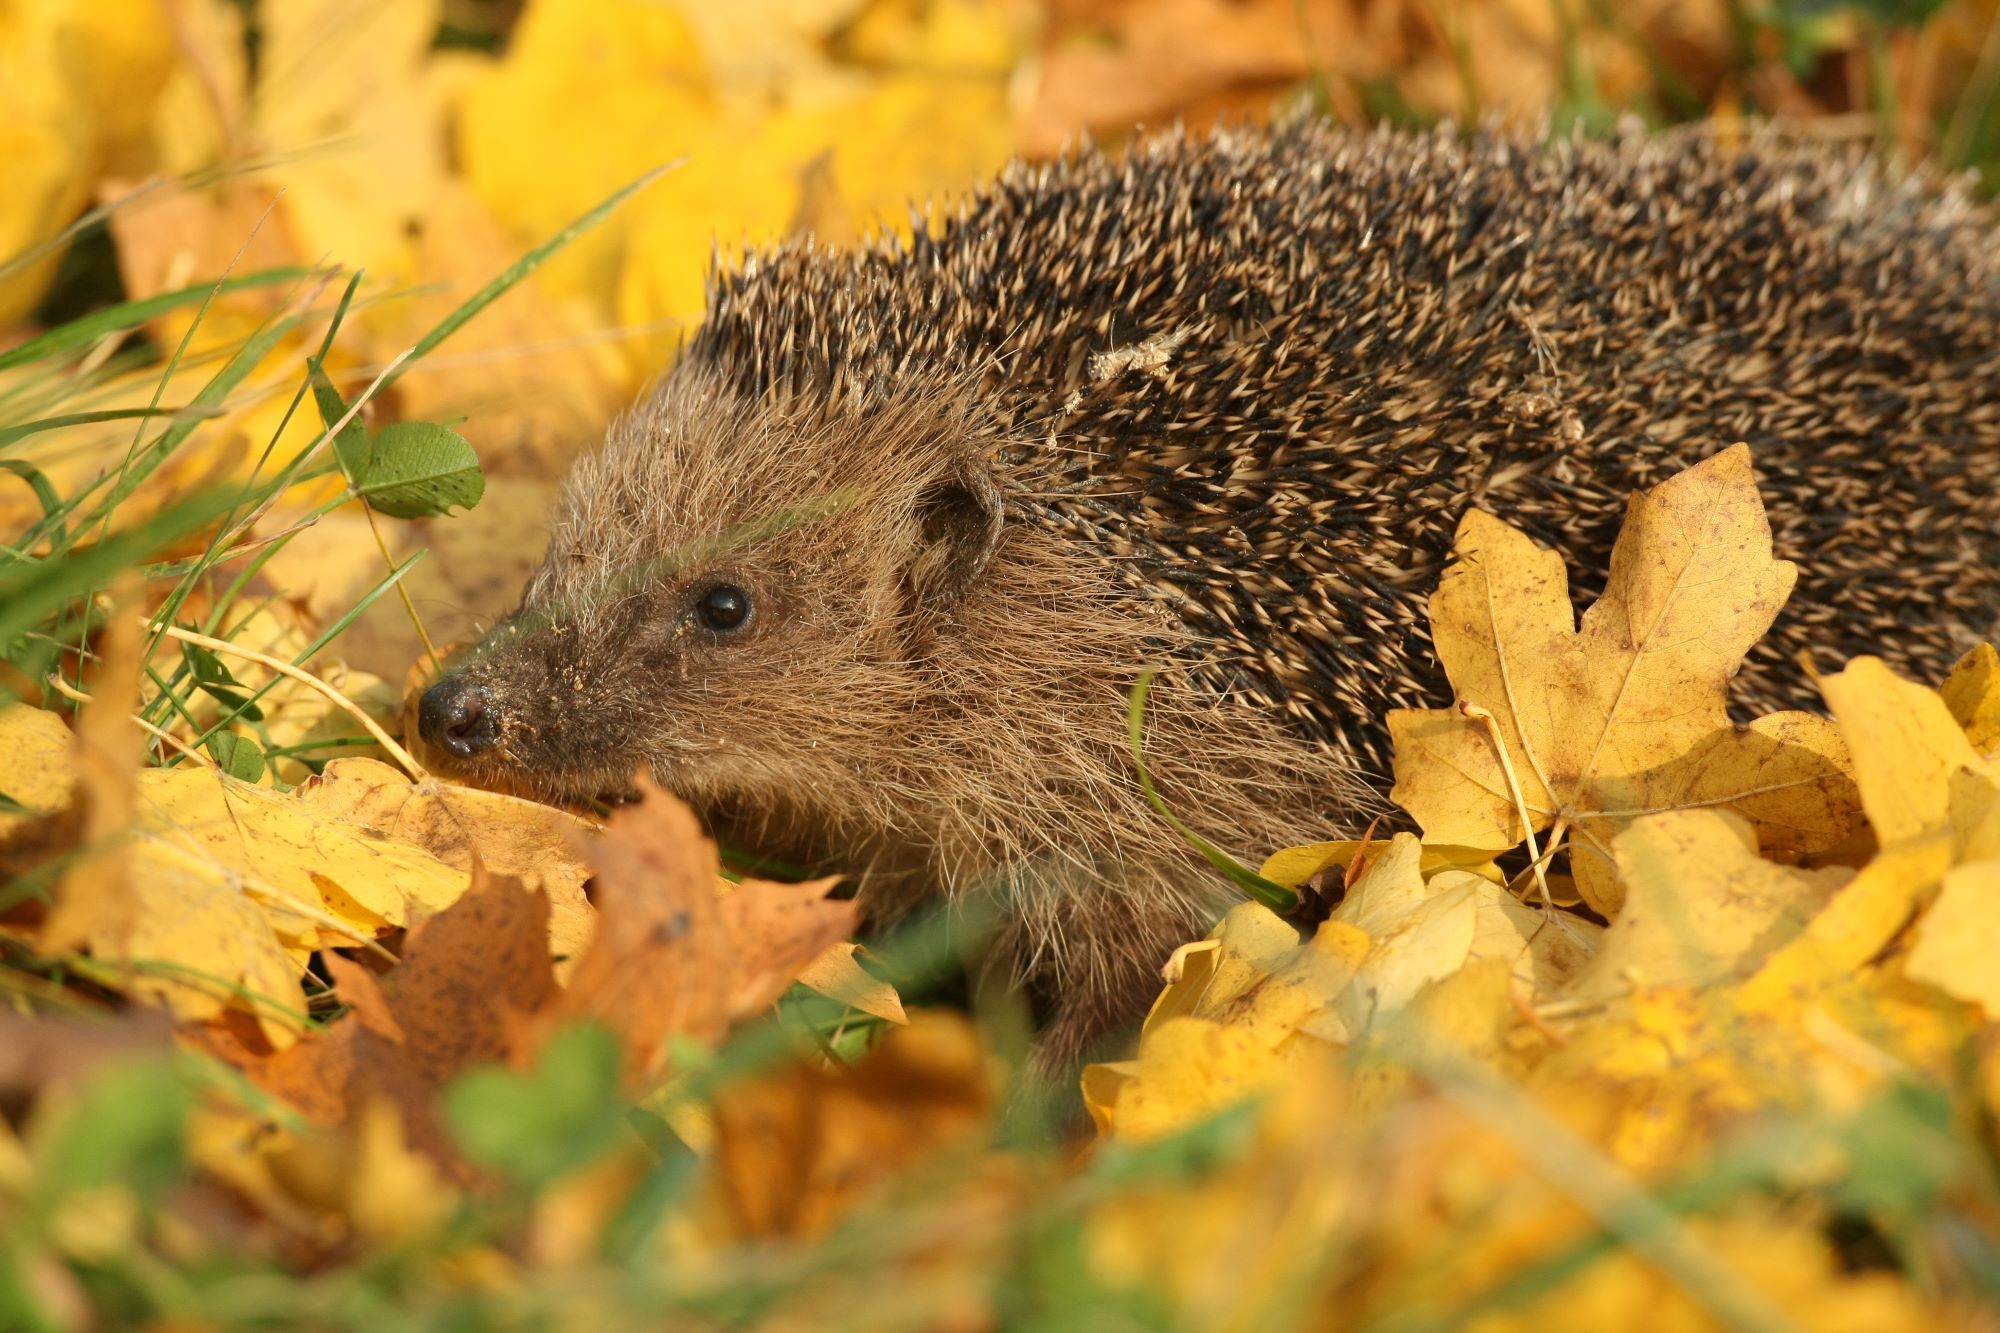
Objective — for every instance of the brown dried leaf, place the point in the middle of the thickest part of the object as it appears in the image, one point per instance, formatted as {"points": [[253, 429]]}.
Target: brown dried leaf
{"points": [[53, 1048], [1110, 66], [669, 959], [776, 931], [469, 976], [796, 1148], [660, 963], [470, 980]]}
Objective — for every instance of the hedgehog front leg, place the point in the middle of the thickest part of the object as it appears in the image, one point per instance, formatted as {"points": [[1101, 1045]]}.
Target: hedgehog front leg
{"points": [[1092, 963]]}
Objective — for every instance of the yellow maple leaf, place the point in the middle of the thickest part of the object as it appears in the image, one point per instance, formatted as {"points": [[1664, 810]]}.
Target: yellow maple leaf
{"points": [[1627, 714], [46, 152], [334, 152], [36, 772], [1393, 939], [343, 118], [178, 931], [1972, 693], [1974, 802], [838, 975], [1422, 931], [538, 844], [1771, 1271], [1907, 748], [347, 101], [1207, 974], [199, 892], [77, 80], [782, 116], [276, 842], [1934, 802], [1858, 924], [1960, 937], [1293, 866], [1700, 904], [591, 94], [1188, 1069], [222, 887]]}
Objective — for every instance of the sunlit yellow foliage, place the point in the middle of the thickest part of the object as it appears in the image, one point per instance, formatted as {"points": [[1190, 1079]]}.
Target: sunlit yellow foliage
{"points": [[1656, 1014]]}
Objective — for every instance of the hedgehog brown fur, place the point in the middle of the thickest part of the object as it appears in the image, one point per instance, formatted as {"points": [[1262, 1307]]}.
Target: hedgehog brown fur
{"points": [[1221, 402]]}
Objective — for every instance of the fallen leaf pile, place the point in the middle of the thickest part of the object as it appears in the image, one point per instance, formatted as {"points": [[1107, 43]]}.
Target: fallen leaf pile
{"points": [[1814, 1035], [1739, 1080], [1662, 1017]]}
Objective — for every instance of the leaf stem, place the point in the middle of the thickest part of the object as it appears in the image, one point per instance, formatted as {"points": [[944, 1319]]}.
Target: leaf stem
{"points": [[74, 695], [306, 678], [1485, 718]]}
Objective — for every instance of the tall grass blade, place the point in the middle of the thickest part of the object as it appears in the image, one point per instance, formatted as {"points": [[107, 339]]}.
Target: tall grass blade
{"points": [[522, 267], [84, 330]]}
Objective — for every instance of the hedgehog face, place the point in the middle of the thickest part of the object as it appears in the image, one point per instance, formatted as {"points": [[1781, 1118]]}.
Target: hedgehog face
{"points": [[736, 597]]}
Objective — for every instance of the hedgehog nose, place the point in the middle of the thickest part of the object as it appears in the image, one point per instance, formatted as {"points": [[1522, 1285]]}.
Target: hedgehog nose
{"points": [[457, 715]]}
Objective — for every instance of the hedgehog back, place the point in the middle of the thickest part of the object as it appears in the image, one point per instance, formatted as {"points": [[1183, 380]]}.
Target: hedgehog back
{"points": [[1265, 373]]}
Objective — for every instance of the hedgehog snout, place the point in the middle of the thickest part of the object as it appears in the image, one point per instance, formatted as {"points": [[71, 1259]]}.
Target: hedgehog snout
{"points": [[459, 716]]}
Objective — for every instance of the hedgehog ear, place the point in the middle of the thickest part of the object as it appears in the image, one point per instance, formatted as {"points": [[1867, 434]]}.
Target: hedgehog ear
{"points": [[958, 528]]}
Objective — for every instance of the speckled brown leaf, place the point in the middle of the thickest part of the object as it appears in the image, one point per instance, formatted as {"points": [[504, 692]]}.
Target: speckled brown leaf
{"points": [[1626, 714], [670, 958], [470, 981], [661, 962]]}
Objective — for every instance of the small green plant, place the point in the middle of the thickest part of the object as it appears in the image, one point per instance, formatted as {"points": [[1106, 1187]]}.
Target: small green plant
{"points": [[54, 574]]}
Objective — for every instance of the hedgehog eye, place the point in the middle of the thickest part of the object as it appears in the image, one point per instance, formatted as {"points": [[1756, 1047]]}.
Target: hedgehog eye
{"points": [[723, 608]]}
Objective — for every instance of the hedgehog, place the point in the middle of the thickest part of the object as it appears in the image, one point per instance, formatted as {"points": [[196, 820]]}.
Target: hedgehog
{"points": [[868, 574]]}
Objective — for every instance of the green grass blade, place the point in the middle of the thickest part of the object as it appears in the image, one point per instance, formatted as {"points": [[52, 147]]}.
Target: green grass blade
{"points": [[522, 267], [43, 488], [9, 434], [1274, 896], [233, 373], [252, 499], [31, 591], [84, 330], [331, 633]]}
